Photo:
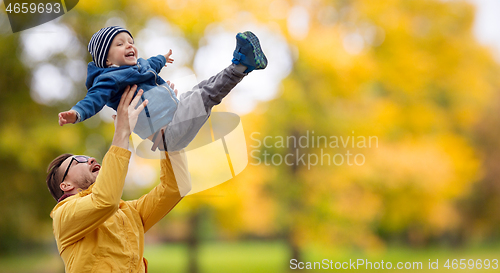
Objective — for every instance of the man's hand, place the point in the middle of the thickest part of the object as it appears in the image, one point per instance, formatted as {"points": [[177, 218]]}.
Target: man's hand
{"points": [[167, 56], [126, 116], [172, 86], [67, 117]]}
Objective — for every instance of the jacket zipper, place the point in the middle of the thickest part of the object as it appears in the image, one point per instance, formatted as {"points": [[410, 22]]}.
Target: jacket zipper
{"points": [[165, 88]]}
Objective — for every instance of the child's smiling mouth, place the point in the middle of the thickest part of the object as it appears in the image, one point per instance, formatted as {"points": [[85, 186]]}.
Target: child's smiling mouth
{"points": [[130, 55]]}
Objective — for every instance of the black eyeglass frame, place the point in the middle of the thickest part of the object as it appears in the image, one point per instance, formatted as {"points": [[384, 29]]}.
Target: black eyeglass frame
{"points": [[83, 159]]}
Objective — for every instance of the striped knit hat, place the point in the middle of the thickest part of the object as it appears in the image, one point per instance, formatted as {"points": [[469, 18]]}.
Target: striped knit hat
{"points": [[100, 43]]}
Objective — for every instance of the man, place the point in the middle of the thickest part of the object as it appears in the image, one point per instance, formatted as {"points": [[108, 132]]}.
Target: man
{"points": [[94, 229]]}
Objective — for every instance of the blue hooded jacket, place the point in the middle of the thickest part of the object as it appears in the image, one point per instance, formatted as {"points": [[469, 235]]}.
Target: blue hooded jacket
{"points": [[106, 85]]}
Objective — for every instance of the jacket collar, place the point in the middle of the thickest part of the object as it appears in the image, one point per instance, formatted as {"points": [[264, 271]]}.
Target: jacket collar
{"points": [[81, 193], [66, 195]]}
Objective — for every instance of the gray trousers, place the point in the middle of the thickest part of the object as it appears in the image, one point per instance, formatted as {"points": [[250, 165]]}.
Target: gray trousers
{"points": [[194, 108]]}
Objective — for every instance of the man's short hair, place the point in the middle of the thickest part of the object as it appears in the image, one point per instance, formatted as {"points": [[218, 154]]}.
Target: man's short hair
{"points": [[54, 176]]}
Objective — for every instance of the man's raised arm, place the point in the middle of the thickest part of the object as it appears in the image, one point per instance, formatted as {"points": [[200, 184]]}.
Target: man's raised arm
{"points": [[77, 217], [175, 183]]}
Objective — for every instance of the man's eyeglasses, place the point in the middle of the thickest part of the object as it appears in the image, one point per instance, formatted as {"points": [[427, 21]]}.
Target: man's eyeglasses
{"points": [[77, 158]]}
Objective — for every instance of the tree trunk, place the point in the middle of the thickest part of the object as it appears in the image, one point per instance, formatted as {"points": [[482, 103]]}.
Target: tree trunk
{"points": [[294, 208], [193, 242], [294, 249]]}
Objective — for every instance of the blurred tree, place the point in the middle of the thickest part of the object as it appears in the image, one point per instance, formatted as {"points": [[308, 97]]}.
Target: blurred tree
{"points": [[29, 139], [481, 207], [409, 73]]}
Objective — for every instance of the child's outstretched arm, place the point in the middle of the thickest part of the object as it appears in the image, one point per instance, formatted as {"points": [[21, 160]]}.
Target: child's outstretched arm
{"points": [[160, 61], [67, 117], [97, 96]]}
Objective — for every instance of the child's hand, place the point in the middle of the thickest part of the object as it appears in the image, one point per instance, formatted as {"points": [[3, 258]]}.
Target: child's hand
{"points": [[167, 56], [67, 117]]}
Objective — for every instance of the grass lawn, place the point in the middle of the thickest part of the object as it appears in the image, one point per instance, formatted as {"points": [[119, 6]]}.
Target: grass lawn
{"points": [[39, 262], [220, 257], [263, 257]]}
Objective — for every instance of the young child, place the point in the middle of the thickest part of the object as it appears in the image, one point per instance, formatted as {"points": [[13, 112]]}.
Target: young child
{"points": [[116, 65]]}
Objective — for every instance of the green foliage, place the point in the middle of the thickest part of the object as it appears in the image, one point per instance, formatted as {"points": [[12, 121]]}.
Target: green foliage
{"points": [[421, 92]]}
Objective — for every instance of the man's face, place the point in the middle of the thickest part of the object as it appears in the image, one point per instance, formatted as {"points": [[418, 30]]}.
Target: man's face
{"points": [[122, 51], [80, 175]]}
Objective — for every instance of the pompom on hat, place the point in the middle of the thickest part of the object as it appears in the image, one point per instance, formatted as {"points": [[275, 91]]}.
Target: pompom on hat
{"points": [[101, 42]]}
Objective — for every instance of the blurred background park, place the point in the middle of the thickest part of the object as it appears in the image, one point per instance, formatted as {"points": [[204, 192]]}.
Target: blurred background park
{"points": [[396, 105]]}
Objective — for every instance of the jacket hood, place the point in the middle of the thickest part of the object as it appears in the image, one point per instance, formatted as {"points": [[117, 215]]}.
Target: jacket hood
{"points": [[93, 72]]}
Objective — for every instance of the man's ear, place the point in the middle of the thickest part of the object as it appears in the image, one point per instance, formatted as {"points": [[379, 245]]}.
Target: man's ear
{"points": [[66, 186]]}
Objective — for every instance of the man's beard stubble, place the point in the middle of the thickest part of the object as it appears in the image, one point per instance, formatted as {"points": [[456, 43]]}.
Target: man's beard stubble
{"points": [[86, 184]]}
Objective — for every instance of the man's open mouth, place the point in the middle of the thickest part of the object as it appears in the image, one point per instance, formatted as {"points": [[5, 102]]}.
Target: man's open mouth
{"points": [[131, 54], [96, 168]]}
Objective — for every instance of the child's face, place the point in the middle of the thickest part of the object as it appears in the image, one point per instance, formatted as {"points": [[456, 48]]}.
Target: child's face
{"points": [[122, 51]]}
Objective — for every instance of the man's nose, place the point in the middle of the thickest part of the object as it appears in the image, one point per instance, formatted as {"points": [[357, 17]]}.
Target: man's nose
{"points": [[91, 161]]}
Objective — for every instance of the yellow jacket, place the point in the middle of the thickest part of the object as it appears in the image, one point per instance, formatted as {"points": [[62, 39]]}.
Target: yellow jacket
{"points": [[96, 231]]}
